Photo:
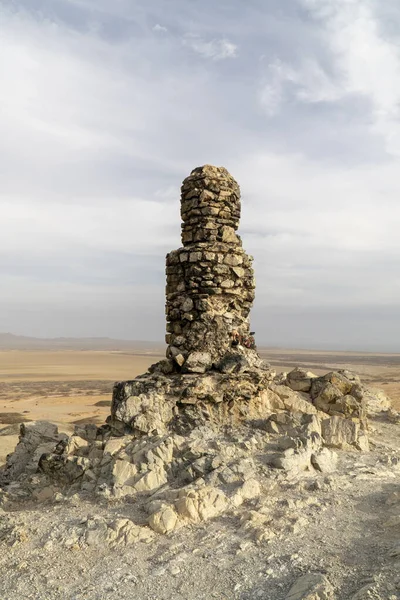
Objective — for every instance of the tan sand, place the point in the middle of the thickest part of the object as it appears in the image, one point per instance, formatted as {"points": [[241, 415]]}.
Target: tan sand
{"points": [[16, 365], [65, 387]]}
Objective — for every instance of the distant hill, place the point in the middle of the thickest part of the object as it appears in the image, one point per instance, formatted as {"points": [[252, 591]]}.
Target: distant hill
{"points": [[9, 341]]}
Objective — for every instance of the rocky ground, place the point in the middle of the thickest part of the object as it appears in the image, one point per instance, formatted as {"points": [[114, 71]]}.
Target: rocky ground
{"points": [[300, 505]]}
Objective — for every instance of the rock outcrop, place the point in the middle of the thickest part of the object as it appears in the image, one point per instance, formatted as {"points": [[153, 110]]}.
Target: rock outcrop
{"points": [[204, 429], [211, 358]]}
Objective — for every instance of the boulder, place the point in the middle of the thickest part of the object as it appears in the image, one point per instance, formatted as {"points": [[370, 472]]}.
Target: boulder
{"points": [[324, 461], [141, 405], [376, 401], [164, 520], [124, 473], [36, 438], [291, 460], [249, 490], [342, 380], [293, 401], [233, 363], [198, 362], [347, 406], [339, 432], [313, 586], [339, 392], [152, 480], [328, 395], [300, 380], [200, 505]]}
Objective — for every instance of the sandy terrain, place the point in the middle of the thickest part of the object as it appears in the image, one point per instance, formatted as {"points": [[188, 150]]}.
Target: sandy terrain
{"points": [[64, 387], [337, 523], [69, 387]]}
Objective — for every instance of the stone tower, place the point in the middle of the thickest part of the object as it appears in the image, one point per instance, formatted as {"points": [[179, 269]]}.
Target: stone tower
{"points": [[210, 281]]}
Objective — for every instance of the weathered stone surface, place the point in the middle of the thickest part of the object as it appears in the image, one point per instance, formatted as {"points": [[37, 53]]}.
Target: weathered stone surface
{"points": [[325, 460], [294, 401], [343, 381], [233, 363], [393, 416], [394, 552], [292, 460], [328, 396], [210, 282], [151, 480], [200, 505], [368, 592], [376, 401], [96, 531], [248, 491], [313, 586], [124, 473], [141, 404], [164, 520], [347, 406], [64, 470], [152, 403], [280, 378], [342, 433], [36, 438], [339, 393], [76, 445], [198, 362], [299, 380]]}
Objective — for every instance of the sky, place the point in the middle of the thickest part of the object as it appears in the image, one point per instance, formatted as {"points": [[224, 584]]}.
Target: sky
{"points": [[107, 105]]}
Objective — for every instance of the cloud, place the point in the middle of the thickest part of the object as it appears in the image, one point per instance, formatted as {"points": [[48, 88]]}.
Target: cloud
{"points": [[364, 63], [370, 63], [101, 120], [160, 28], [321, 237], [307, 83], [214, 49]]}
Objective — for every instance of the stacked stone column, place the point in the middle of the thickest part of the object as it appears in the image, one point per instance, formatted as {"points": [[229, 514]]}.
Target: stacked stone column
{"points": [[210, 281]]}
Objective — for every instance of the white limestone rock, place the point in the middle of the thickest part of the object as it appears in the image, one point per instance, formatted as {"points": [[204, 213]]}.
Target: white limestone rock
{"points": [[376, 401], [325, 460], [300, 380], [36, 438], [164, 520], [201, 504], [313, 586], [339, 432], [97, 531], [294, 401], [198, 362]]}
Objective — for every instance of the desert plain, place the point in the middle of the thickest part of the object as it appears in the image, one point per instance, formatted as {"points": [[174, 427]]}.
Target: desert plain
{"points": [[71, 387]]}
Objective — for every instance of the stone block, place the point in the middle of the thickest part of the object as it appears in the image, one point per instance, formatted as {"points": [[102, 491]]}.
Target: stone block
{"points": [[198, 362]]}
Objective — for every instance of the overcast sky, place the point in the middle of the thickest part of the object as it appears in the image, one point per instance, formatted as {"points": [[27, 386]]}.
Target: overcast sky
{"points": [[106, 105]]}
